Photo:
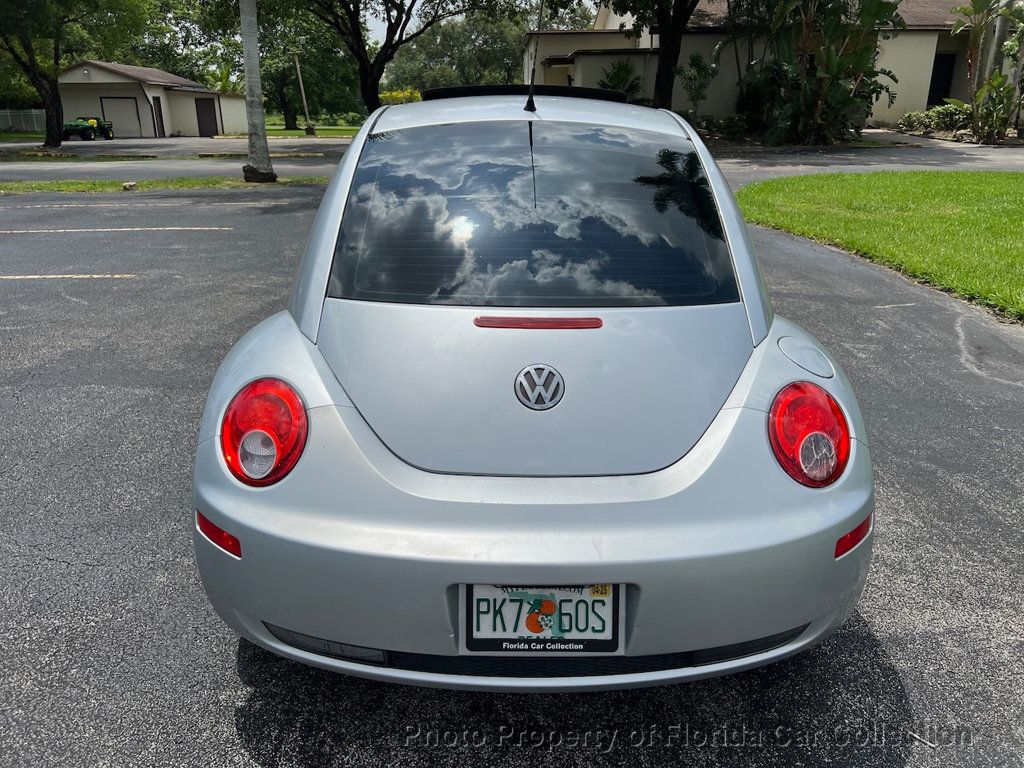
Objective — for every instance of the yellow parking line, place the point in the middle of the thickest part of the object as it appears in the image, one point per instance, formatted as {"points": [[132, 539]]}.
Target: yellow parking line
{"points": [[66, 277], [113, 229]]}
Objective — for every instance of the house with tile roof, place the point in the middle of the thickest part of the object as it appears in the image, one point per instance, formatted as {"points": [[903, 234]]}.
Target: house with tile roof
{"points": [[929, 61], [147, 102]]}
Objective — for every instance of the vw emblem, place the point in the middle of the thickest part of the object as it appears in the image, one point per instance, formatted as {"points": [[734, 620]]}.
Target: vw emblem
{"points": [[539, 387]]}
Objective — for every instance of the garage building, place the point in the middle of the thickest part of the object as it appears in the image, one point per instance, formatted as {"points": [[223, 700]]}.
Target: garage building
{"points": [[147, 102]]}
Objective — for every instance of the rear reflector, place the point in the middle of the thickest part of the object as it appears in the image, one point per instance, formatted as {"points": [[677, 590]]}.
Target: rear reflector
{"points": [[539, 323], [218, 536], [850, 540]]}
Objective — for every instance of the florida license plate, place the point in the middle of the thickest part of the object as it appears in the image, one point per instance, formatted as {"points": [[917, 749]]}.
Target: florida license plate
{"points": [[526, 620]]}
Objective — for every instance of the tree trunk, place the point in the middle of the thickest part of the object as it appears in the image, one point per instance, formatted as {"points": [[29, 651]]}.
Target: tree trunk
{"points": [[999, 36], [369, 86], [669, 46], [54, 109], [259, 167], [291, 117], [45, 86]]}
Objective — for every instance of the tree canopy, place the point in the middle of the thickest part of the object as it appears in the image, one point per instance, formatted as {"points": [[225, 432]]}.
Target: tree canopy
{"points": [[39, 37], [473, 50], [404, 21]]}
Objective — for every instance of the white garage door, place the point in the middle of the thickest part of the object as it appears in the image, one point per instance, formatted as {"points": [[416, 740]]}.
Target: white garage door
{"points": [[123, 112]]}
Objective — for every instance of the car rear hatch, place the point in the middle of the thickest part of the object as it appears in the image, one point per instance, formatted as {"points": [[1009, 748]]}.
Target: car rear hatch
{"points": [[452, 234]]}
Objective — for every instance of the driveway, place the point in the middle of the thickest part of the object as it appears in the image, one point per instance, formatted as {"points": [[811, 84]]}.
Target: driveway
{"points": [[112, 655]]}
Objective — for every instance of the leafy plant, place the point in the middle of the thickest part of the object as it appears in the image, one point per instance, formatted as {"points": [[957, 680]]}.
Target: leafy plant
{"points": [[620, 76], [994, 101], [696, 78], [993, 108], [812, 70]]}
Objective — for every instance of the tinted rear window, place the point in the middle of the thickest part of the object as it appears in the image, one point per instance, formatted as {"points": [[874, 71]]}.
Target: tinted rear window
{"points": [[531, 214]]}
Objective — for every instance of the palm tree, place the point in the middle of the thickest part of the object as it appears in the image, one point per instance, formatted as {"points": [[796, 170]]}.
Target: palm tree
{"points": [[684, 185], [621, 76], [259, 168]]}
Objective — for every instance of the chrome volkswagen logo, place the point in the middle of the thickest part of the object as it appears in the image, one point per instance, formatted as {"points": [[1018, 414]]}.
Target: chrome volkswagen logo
{"points": [[539, 387]]}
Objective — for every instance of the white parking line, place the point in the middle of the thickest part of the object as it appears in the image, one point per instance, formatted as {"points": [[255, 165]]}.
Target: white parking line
{"points": [[113, 229], [66, 277]]}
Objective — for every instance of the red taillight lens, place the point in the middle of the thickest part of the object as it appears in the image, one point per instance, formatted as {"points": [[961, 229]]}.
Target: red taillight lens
{"points": [[809, 434], [218, 535], [848, 541], [264, 432]]}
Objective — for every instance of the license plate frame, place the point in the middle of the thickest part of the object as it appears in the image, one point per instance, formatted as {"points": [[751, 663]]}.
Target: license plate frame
{"points": [[540, 646]]}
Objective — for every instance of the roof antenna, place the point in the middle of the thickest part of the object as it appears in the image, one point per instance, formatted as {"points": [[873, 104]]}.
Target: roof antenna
{"points": [[530, 106]]}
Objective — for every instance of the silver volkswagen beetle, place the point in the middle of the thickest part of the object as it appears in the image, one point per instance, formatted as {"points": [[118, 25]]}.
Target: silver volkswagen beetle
{"points": [[529, 421]]}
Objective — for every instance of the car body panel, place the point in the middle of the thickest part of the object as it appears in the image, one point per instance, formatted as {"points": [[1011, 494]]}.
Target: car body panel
{"points": [[439, 391], [714, 544]]}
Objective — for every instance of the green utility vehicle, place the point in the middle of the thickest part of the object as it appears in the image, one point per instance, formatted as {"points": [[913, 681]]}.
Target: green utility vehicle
{"points": [[88, 128]]}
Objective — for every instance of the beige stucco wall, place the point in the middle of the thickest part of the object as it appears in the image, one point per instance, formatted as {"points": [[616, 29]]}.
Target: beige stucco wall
{"points": [[152, 91], [721, 100], [589, 68], [562, 44], [85, 99], [86, 73], [910, 55], [232, 110], [182, 107]]}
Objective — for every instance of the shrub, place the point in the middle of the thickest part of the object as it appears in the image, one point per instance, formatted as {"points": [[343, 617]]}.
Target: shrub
{"points": [[352, 118], [734, 126], [913, 121], [949, 117], [400, 97]]}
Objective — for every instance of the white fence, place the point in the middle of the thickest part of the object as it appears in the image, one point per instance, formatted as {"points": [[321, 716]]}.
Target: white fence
{"points": [[22, 120]]}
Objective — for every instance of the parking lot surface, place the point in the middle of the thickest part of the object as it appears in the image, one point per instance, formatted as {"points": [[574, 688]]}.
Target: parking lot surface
{"points": [[114, 314]]}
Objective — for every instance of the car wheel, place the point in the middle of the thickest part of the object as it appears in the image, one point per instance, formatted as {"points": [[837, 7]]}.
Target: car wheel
{"points": [[88, 134], [108, 135]]}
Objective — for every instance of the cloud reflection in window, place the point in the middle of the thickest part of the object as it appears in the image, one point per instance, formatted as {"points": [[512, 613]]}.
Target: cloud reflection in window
{"points": [[457, 215]]}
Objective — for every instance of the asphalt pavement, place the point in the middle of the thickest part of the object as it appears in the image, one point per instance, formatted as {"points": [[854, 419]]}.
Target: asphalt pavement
{"points": [[112, 656]]}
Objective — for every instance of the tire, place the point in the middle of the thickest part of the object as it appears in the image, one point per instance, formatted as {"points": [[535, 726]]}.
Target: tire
{"points": [[88, 134], [108, 134]]}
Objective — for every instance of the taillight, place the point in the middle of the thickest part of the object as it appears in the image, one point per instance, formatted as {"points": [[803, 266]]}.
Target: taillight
{"points": [[218, 535], [809, 434], [848, 541], [264, 432]]}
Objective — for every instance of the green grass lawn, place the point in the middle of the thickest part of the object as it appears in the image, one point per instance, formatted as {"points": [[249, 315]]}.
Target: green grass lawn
{"points": [[144, 185], [961, 231], [22, 135]]}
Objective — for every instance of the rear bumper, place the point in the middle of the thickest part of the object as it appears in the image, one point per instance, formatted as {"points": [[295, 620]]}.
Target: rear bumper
{"points": [[355, 547]]}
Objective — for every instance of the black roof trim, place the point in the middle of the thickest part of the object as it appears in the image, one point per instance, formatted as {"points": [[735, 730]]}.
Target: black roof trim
{"points": [[522, 90]]}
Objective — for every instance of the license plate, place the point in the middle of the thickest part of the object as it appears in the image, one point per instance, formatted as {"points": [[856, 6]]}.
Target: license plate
{"points": [[527, 620]]}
